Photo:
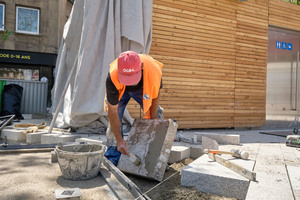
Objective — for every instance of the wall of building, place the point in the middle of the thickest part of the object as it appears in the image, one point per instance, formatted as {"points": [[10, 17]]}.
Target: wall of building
{"points": [[215, 59], [51, 25], [36, 48]]}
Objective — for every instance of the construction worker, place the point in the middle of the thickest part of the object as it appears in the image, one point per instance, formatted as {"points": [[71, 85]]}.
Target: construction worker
{"points": [[134, 76]]}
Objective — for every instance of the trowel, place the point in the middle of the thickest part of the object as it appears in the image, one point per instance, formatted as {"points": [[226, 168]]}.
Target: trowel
{"points": [[135, 159]]}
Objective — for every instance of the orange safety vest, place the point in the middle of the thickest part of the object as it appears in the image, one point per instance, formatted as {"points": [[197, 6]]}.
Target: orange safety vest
{"points": [[151, 85]]}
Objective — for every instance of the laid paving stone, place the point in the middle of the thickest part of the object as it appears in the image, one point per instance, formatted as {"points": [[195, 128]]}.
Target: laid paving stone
{"points": [[221, 138], [13, 134], [179, 153], [211, 177], [271, 173], [151, 141], [293, 172]]}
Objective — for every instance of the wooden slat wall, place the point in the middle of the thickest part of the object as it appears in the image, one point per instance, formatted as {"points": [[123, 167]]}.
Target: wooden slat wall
{"points": [[251, 63], [284, 14], [215, 58]]}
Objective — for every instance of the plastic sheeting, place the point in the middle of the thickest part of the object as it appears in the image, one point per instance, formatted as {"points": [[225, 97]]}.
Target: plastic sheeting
{"points": [[96, 32]]}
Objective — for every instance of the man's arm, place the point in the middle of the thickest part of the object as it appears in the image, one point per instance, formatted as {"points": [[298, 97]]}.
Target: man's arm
{"points": [[154, 107], [116, 128]]}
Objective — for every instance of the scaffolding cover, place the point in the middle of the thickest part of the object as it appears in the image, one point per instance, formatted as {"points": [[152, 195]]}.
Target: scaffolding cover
{"points": [[96, 33]]}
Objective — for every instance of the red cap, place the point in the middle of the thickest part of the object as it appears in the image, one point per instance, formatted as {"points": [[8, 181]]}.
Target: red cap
{"points": [[129, 68]]}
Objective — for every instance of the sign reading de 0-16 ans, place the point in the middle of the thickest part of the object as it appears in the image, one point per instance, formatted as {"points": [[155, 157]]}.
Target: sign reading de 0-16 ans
{"points": [[24, 57]]}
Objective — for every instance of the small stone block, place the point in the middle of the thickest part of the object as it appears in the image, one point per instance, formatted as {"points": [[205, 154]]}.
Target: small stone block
{"points": [[151, 141], [53, 157], [221, 138], [211, 177], [70, 193], [196, 151], [55, 138], [34, 138], [208, 143], [50, 138], [68, 137], [13, 134], [179, 153]]}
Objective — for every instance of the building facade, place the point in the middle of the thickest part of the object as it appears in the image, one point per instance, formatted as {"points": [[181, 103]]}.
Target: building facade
{"points": [[36, 27], [217, 56]]}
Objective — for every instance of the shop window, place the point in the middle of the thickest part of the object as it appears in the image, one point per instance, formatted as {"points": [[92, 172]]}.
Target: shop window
{"points": [[2, 14], [19, 74], [28, 20]]}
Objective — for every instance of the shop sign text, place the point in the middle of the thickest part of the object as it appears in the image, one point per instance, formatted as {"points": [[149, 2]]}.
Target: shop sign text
{"points": [[15, 56]]}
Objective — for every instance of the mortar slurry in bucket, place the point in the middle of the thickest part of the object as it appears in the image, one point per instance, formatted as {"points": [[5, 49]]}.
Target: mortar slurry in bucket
{"points": [[80, 161]]}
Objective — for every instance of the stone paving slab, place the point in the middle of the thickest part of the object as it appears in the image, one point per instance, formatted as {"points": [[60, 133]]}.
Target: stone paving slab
{"points": [[151, 141], [294, 175], [272, 180], [211, 177]]}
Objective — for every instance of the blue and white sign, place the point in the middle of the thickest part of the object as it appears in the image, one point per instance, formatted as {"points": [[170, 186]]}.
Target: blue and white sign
{"points": [[290, 46], [284, 45], [278, 45]]}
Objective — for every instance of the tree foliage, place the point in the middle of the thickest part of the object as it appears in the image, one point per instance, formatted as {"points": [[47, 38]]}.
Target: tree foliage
{"points": [[5, 34]]}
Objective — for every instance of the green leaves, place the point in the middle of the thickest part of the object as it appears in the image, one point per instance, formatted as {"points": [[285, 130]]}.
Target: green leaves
{"points": [[5, 34]]}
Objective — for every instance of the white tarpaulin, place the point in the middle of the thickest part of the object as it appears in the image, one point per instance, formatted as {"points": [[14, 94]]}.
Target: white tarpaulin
{"points": [[96, 33]]}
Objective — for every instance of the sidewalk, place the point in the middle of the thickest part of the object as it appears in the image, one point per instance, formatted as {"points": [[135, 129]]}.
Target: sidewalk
{"points": [[277, 166]]}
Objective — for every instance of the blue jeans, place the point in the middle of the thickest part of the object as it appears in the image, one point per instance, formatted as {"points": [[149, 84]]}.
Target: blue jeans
{"points": [[112, 153]]}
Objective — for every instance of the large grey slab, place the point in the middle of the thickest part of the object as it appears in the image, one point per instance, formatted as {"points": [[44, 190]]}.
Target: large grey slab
{"points": [[271, 175], [221, 138], [211, 177], [151, 141], [294, 175]]}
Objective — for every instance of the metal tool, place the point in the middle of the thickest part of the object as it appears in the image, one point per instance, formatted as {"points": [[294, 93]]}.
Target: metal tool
{"points": [[135, 159], [234, 152], [251, 175], [6, 120]]}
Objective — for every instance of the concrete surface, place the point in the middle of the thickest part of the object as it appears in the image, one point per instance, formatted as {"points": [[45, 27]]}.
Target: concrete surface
{"points": [[211, 177], [273, 161], [151, 141], [33, 176], [294, 176]]}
